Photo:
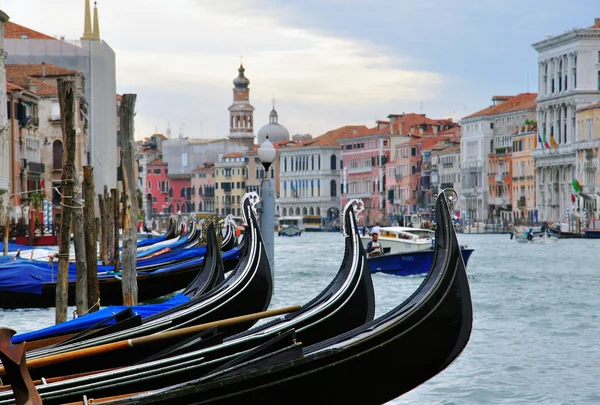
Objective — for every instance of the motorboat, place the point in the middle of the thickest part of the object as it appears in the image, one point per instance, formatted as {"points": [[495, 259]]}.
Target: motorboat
{"points": [[401, 239]]}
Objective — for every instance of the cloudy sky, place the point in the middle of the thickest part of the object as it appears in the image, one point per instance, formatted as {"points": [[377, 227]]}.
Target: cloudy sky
{"points": [[327, 62]]}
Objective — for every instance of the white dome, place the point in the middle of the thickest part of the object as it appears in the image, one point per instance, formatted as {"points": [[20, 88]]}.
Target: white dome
{"points": [[273, 129]]}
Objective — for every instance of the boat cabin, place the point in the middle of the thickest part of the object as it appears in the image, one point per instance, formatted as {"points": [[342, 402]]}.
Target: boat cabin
{"points": [[286, 222]]}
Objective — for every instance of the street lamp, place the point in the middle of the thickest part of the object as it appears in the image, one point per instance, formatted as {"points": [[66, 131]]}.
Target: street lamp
{"points": [[266, 155]]}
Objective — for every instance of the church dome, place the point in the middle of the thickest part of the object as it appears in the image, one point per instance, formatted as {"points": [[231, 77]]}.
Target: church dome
{"points": [[241, 82], [273, 129]]}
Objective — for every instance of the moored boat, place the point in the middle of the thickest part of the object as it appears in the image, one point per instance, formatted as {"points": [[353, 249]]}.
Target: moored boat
{"points": [[592, 234], [403, 239], [408, 264]]}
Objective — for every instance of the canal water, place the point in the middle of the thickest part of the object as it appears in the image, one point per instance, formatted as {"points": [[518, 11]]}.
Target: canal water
{"points": [[536, 334]]}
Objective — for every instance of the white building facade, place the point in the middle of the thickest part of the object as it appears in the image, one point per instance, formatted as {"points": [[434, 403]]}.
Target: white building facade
{"points": [[475, 145], [305, 179], [569, 79]]}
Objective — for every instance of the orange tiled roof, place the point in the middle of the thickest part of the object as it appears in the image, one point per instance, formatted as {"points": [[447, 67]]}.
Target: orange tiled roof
{"points": [[523, 101], [596, 23], [119, 97], [234, 155], [157, 162], [36, 70], [332, 137], [26, 75], [11, 88], [16, 31], [409, 124]]}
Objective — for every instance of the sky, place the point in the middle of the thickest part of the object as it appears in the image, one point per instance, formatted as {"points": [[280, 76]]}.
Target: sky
{"points": [[327, 63]]}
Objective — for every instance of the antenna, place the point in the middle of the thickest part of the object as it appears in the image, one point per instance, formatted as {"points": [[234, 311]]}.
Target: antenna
{"points": [[273, 100]]}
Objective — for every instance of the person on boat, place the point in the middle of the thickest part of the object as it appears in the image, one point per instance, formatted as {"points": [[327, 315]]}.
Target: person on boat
{"points": [[374, 246], [376, 230]]}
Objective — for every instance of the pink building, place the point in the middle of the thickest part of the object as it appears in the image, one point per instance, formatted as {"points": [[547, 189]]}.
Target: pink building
{"points": [[364, 156], [203, 188], [157, 186], [180, 193], [403, 177]]}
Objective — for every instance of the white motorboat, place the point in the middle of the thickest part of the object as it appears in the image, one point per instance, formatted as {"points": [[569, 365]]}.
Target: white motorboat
{"points": [[401, 239]]}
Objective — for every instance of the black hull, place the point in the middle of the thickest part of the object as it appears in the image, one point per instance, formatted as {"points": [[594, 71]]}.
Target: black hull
{"points": [[372, 364], [347, 302], [246, 290]]}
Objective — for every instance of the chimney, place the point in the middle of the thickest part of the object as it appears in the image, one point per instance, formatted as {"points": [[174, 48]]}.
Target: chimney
{"points": [[597, 22], [44, 69]]}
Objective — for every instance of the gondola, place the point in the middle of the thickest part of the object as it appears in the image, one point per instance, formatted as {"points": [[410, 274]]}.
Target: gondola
{"points": [[210, 273], [347, 302], [371, 364], [247, 289], [157, 277]]}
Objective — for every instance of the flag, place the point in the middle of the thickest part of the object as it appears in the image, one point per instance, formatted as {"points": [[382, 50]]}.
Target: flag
{"points": [[552, 140], [540, 140], [544, 140], [576, 186], [573, 198]]}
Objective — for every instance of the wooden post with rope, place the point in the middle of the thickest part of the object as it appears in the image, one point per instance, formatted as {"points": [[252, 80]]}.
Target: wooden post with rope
{"points": [[66, 99], [81, 303], [89, 220], [102, 227], [129, 284], [114, 194], [110, 227], [6, 233]]}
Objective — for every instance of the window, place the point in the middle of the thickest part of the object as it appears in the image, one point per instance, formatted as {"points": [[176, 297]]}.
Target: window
{"points": [[184, 159], [57, 155], [333, 187], [55, 110], [149, 185], [599, 80], [333, 162]]}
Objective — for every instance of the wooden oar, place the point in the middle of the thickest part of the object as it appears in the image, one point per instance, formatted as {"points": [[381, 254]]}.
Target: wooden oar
{"points": [[144, 340]]}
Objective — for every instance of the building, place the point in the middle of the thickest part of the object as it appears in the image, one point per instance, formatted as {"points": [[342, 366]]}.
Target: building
{"points": [[4, 131], [157, 188], [96, 61], [364, 156], [203, 188], [274, 130], [241, 112], [180, 193], [587, 163], [524, 141], [511, 119], [186, 154], [230, 184], [568, 79], [446, 161], [309, 179], [403, 179], [148, 151], [42, 79]]}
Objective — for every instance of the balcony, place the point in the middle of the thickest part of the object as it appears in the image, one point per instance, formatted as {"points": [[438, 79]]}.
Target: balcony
{"points": [[359, 195], [499, 178], [448, 165], [36, 167], [398, 177], [359, 170]]}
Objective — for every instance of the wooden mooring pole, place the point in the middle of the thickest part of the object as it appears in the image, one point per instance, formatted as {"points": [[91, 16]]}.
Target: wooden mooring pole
{"points": [[103, 236], [66, 98], [110, 227], [129, 283], [6, 233], [81, 303], [114, 195], [91, 237]]}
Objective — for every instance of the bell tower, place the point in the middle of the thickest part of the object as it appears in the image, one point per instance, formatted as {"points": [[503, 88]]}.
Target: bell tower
{"points": [[241, 112]]}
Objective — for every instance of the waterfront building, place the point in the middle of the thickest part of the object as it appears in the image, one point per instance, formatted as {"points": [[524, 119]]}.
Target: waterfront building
{"points": [[203, 188], [47, 139], [96, 61], [446, 168], [309, 180], [403, 177], [511, 119], [524, 141], [568, 79], [157, 188], [148, 151], [230, 184], [587, 163], [180, 193], [4, 132], [185, 154], [364, 155]]}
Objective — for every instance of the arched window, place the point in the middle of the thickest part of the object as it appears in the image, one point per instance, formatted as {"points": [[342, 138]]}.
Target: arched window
{"points": [[57, 155], [284, 212], [319, 161], [312, 211], [333, 160], [182, 193], [291, 164], [333, 190], [318, 211], [285, 164], [171, 192], [297, 210], [304, 211]]}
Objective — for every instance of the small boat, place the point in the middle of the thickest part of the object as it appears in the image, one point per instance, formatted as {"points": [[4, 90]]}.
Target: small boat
{"points": [[401, 239], [291, 226], [408, 264], [592, 234]]}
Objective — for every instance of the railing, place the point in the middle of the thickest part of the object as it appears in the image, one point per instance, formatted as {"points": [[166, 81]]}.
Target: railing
{"points": [[499, 178], [36, 167]]}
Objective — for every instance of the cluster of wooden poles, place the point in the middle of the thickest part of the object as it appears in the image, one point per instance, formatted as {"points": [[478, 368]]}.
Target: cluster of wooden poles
{"points": [[81, 216]]}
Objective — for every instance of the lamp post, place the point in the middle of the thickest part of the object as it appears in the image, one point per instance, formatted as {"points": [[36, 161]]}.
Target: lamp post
{"points": [[266, 155]]}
